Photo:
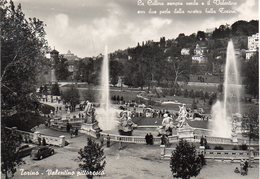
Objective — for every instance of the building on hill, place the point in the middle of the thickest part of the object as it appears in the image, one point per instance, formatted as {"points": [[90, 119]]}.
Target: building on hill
{"points": [[185, 51], [72, 63], [70, 56], [253, 45], [199, 55], [72, 68]]}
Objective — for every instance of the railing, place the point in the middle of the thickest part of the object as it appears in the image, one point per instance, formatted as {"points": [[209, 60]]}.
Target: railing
{"points": [[219, 140], [172, 139], [226, 154], [246, 141], [57, 141], [233, 155], [30, 137]]}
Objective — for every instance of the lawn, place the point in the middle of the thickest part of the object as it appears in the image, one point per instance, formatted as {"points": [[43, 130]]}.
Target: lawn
{"points": [[129, 94]]}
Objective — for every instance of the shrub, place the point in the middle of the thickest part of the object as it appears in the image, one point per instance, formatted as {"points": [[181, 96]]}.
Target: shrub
{"points": [[184, 161], [235, 148], [243, 147], [218, 147]]}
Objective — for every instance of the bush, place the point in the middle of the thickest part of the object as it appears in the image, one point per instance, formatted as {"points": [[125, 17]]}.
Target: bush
{"points": [[218, 147], [55, 89], [235, 148], [184, 161], [243, 147], [206, 95], [89, 95], [207, 147], [92, 158], [191, 94]]}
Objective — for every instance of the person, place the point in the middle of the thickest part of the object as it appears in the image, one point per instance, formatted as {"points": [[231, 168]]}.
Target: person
{"points": [[202, 159], [163, 140], [147, 139], [202, 141], [205, 141], [108, 140], [167, 143], [44, 141], [242, 167], [76, 132], [71, 132], [236, 170], [151, 139], [120, 143], [246, 167], [68, 127], [101, 140], [39, 140]]}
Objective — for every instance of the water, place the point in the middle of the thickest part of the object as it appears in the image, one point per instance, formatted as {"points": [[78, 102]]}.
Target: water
{"points": [[222, 110], [106, 114]]}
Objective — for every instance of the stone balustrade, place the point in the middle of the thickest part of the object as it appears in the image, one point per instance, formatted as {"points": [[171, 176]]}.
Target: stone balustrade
{"points": [[231, 155], [30, 137]]}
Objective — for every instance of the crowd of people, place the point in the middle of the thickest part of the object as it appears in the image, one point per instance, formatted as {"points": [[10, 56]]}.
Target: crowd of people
{"points": [[149, 139], [41, 141]]}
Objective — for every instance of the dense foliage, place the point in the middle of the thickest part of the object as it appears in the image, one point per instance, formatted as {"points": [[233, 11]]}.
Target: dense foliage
{"points": [[250, 124], [10, 141], [251, 71], [92, 158], [23, 46], [55, 89], [71, 96], [185, 163]]}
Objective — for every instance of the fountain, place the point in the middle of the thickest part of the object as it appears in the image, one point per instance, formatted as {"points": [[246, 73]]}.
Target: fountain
{"points": [[106, 114], [222, 110]]}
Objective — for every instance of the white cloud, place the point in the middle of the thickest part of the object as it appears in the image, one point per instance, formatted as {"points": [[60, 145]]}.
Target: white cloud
{"points": [[245, 10], [86, 34]]}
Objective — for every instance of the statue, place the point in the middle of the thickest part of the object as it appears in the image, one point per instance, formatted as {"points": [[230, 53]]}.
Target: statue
{"points": [[167, 125], [182, 118], [89, 113], [126, 125]]}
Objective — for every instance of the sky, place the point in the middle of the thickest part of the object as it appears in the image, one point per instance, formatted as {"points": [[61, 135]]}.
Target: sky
{"points": [[85, 27]]}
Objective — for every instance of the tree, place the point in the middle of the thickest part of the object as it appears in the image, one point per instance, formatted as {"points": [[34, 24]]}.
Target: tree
{"points": [[10, 140], [220, 88], [251, 124], [184, 161], [92, 158], [116, 69], [23, 46], [55, 89], [177, 68], [201, 35], [71, 96], [251, 72], [61, 69], [89, 95], [194, 105]]}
